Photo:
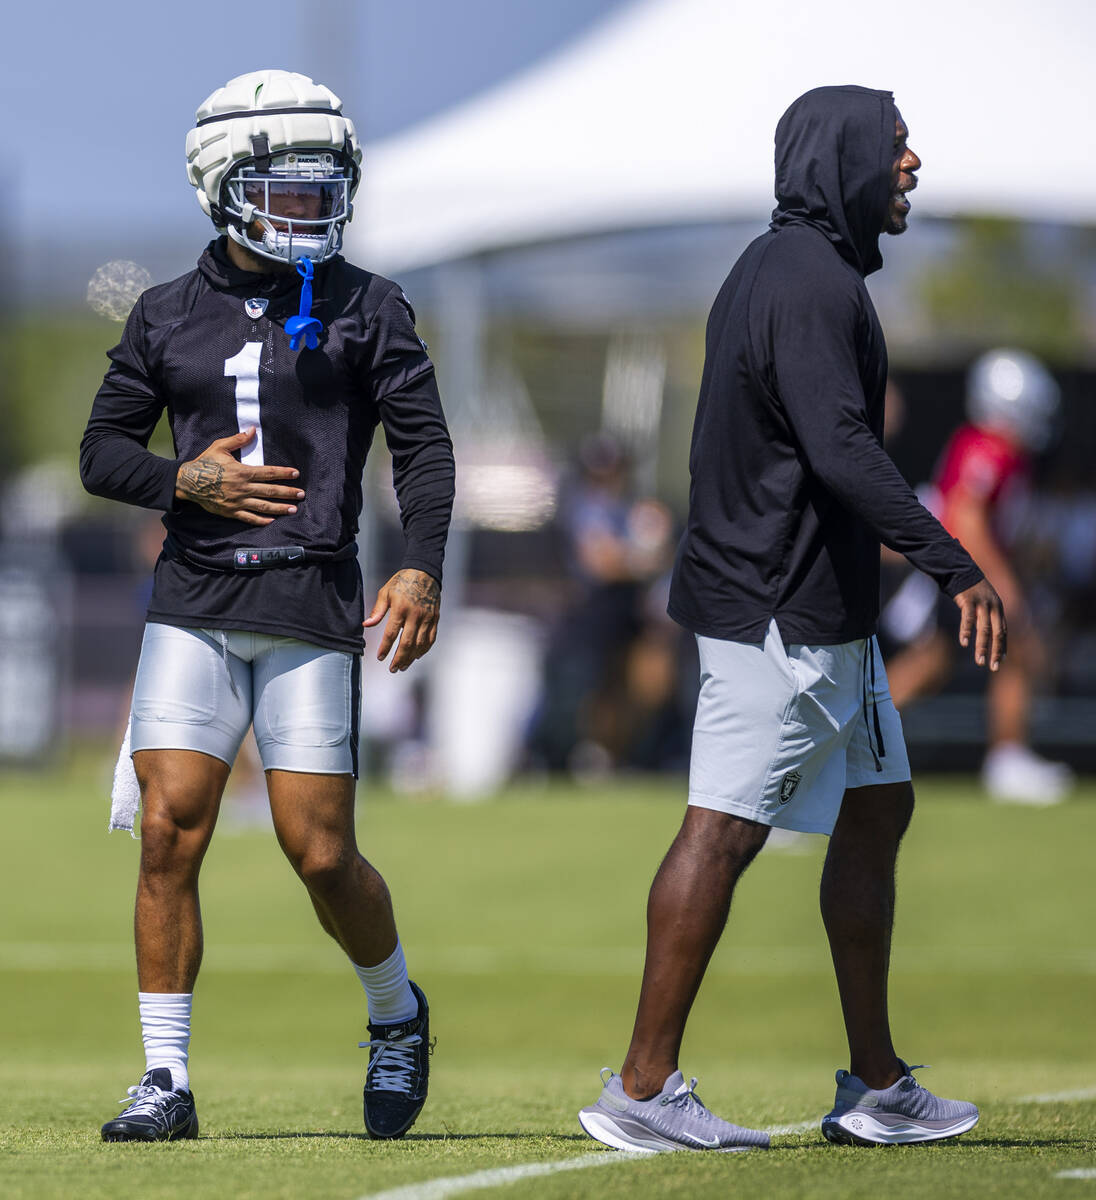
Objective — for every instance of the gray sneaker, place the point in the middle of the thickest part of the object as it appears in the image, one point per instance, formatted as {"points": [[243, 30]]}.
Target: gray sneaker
{"points": [[675, 1119], [904, 1112]]}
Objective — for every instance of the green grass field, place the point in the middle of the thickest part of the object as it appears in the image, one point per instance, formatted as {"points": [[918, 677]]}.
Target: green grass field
{"points": [[523, 919]]}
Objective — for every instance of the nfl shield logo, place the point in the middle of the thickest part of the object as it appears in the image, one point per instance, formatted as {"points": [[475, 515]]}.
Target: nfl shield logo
{"points": [[255, 308], [788, 785]]}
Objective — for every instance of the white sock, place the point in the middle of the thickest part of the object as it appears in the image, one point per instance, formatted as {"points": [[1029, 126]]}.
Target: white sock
{"points": [[165, 1028], [387, 990]]}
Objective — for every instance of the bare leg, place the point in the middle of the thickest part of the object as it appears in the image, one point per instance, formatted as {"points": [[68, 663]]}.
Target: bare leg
{"points": [[686, 912], [1008, 692], [180, 795], [919, 670], [314, 821], [857, 897]]}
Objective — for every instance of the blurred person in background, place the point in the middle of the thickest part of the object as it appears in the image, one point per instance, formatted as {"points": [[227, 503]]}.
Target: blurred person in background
{"points": [[256, 610], [603, 676], [981, 493], [778, 576]]}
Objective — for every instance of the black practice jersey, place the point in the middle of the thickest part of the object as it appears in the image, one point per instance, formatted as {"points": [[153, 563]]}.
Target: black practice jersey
{"points": [[211, 347]]}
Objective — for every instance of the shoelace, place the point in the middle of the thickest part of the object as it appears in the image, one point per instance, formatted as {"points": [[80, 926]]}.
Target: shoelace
{"points": [[391, 1063], [915, 1082], [143, 1100], [687, 1100]]}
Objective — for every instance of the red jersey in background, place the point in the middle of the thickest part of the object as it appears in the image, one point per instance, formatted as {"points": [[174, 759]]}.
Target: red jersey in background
{"points": [[982, 464]]}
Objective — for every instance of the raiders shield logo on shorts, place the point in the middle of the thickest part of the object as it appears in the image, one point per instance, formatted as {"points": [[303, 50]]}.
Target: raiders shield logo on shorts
{"points": [[788, 785]]}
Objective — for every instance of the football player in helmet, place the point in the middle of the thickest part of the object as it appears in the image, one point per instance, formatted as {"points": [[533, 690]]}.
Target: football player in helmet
{"points": [[275, 165], [980, 491], [275, 360]]}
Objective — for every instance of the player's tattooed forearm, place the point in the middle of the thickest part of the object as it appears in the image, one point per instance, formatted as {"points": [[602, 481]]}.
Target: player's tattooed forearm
{"points": [[204, 478], [420, 589]]}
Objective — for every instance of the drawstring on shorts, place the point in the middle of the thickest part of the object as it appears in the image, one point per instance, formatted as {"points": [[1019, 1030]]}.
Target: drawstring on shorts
{"points": [[869, 660]]}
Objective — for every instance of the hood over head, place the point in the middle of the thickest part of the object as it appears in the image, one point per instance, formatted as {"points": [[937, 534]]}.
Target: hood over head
{"points": [[834, 158]]}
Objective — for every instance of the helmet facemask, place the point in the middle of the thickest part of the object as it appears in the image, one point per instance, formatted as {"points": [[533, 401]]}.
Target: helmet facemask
{"points": [[290, 205]]}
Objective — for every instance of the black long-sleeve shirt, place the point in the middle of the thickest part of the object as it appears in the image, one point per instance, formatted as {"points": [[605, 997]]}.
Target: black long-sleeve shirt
{"points": [[791, 490], [211, 348]]}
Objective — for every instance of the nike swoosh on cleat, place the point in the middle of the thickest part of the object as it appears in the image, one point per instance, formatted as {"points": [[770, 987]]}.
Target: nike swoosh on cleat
{"points": [[701, 1141]]}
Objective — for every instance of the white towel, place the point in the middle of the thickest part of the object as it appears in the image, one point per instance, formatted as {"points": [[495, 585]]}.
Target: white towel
{"points": [[125, 793]]}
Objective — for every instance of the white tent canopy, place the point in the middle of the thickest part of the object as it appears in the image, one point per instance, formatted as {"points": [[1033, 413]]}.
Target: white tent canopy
{"points": [[665, 112]]}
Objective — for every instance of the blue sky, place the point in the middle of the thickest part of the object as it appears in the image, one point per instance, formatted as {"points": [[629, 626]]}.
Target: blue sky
{"points": [[94, 166]]}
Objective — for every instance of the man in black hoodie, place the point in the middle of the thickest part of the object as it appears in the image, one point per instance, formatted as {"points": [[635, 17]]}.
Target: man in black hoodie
{"points": [[778, 576]]}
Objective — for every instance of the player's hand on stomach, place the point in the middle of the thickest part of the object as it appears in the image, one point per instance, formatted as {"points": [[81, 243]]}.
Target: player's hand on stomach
{"points": [[983, 614], [223, 485], [412, 600]]}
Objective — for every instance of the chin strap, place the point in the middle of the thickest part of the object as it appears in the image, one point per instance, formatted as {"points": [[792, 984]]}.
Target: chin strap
{"points": [[306, 325]]}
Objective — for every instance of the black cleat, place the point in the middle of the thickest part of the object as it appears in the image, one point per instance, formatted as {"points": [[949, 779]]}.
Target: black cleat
{"points": [[156, 1112], [398, 1073]]}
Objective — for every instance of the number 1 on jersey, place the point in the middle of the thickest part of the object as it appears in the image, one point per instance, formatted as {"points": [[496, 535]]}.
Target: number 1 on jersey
{"points": [[245, 366]]}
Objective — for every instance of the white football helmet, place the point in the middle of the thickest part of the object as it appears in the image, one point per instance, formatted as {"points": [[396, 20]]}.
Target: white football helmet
{"points": [[1011, 391], [276, 165]]}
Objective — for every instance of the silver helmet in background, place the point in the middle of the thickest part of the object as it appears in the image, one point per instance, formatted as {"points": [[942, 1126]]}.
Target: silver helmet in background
{"points": [[1011, 392]]}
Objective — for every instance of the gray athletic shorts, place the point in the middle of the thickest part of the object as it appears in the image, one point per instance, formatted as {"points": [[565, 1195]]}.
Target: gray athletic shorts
{"points": [[200, 689], [781, 732]]}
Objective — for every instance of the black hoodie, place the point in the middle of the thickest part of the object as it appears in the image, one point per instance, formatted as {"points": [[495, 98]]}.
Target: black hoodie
{"points": [[791, 491], [185, 348]]}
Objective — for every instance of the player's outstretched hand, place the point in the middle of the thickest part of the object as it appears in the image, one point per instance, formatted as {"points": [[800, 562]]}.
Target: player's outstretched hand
{"points": [[983, 614], [223, 485], [412, 600]]}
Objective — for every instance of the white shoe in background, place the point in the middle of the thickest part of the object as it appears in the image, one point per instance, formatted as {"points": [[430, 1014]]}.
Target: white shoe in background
{"points": [[1014, 774]]}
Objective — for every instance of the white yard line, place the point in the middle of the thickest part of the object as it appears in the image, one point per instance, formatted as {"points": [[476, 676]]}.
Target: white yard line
{"points": [[1085, 1093], [1079, 1173], [438, 1189], [798, 1127]]}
